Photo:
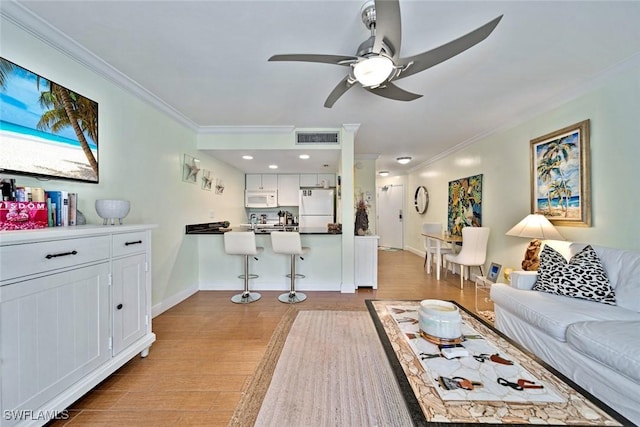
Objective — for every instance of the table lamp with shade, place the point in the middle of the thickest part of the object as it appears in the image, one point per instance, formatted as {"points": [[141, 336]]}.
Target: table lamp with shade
{"points": [[536, 227]]}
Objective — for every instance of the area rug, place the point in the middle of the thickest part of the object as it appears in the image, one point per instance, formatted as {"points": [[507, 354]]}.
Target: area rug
{"points": [[488, 315], [324, 368]]}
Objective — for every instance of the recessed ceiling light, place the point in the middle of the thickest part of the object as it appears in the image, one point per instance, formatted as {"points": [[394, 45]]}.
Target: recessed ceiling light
{"points": [[403, 160], [304, 156], [273, 166], [383, 173], [246, 157]]}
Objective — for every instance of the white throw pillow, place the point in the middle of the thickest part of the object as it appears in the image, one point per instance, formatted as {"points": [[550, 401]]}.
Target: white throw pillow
{"points": [[582, 277]]}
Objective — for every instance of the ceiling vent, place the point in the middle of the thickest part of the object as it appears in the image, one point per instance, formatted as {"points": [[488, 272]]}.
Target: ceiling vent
{"points": [[317, 138]]}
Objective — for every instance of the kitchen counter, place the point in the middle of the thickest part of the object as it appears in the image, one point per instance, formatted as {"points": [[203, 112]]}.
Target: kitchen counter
{"points": [[301, 230], [322, 266], [206, 228]]}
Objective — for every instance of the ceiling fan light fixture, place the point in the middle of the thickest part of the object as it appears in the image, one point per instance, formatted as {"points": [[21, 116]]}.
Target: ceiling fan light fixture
{"points": [[373, 71], [403, 160]]}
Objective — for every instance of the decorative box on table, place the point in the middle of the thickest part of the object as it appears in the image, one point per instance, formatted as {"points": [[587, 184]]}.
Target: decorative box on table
{"points": [[23, 215]]}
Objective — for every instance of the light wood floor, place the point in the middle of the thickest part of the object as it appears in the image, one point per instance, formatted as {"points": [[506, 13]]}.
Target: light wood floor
{"points": [[207, 349]]}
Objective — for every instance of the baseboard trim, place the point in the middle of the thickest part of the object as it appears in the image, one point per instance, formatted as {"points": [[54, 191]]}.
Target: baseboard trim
{"points": [[172, 301], [415, 251]]}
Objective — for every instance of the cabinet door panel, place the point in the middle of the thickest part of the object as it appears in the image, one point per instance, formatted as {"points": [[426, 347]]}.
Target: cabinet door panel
{"points": [[53, 331], [329, 178], [253, 182], [288, 190], [129, 301], [269, 181], [261, 181], [308, 180]]}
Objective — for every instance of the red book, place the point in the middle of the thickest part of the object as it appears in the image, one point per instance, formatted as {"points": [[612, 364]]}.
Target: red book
{"points": [[23, 215]]}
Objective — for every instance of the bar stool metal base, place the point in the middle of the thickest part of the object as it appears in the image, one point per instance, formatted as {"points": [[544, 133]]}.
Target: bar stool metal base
{"points": [[246, 297], [292, 297]]}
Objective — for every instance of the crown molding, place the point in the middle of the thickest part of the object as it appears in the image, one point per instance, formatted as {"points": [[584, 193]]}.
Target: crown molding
{"points": [[45, 32], [351, 127]]}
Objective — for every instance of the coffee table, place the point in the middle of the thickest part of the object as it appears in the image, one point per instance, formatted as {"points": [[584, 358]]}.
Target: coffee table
{"points": [[561, 402]]}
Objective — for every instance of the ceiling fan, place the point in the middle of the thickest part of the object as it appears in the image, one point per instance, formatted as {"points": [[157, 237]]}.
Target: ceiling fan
{"points": [[377, 62]]}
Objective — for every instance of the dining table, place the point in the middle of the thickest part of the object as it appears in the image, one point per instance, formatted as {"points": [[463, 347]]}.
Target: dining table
{"points": [[439, 239]]}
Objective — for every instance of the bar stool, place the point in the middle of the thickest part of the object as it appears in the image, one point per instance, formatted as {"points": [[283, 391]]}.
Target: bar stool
{"points": [[288, 242], [243, 243]]}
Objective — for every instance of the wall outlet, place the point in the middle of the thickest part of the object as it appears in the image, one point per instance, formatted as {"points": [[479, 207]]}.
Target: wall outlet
{"points": [[212, 215]]}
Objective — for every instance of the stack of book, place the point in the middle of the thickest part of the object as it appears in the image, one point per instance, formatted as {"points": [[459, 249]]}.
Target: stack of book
{"points": [[25, 208]]}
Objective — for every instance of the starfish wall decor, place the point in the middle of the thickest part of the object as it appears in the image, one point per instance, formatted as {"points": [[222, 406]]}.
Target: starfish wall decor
{"points": [[190, 169], [219, 186], [206, 179]]}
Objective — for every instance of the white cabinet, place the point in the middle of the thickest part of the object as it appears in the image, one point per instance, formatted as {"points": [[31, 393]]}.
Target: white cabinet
{"points": [[53, 330], [261, 182], [288, 190], [129, 282], [317, 180], [61, 332], [366, 261]]}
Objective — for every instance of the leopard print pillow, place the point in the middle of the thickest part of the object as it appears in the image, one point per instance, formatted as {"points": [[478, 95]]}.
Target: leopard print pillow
{"points": [[582, 277]]}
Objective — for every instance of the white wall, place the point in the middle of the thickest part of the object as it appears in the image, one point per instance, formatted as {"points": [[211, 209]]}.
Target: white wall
{"points": [[140, 156], [503, 159]]}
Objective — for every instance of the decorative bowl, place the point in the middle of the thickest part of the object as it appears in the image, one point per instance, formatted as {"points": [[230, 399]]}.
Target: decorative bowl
{"points": [[440, 321], [111, 209]]}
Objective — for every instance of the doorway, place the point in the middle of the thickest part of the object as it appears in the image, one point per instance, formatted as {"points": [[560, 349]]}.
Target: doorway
{"points": [[391, 216]]}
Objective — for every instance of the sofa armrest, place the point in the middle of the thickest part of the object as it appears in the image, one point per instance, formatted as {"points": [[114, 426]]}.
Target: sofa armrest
{"points": [[523, 279]]}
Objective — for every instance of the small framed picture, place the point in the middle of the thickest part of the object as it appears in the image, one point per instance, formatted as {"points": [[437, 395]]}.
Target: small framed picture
{"points": [[494, 271]]}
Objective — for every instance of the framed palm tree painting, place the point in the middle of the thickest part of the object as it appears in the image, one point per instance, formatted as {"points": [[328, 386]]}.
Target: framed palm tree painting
{"points": [[560, 176]]}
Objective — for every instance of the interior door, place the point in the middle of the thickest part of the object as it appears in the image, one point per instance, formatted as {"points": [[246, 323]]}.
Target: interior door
{"points": [[390, 216]]}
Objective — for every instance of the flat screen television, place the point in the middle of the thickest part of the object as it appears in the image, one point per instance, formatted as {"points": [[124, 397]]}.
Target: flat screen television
{"points": [[46, 130]]}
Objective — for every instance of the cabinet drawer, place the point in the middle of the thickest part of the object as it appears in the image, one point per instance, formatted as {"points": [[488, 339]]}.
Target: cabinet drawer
{"points": [[129, 243], [26, 259]]}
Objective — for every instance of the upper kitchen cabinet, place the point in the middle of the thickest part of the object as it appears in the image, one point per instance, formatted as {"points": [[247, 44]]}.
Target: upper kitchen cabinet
{"points": [[288, 190], [317, 180], [261, 182]]}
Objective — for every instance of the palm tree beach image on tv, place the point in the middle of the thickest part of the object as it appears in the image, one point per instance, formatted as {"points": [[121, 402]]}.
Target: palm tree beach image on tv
{"points": [[46, 130]]}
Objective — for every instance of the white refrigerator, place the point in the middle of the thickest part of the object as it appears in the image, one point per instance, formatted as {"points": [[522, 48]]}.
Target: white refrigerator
{"points": [[316, 208]]}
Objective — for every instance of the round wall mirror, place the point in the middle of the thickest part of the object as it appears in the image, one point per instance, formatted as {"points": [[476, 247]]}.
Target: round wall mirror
{"points": [[421, 199]]}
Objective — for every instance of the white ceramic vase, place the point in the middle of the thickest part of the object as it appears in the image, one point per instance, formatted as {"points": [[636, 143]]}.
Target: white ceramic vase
{"points": [[110, 210]]}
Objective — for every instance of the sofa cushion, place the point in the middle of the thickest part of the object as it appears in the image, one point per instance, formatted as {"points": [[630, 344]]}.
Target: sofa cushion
{"points": [[612, 343], [623, 269], [554, 313], [582, 277]]}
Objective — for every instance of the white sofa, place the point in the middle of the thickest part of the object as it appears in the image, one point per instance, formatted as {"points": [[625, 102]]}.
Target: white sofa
{"points": [[596, 345]]}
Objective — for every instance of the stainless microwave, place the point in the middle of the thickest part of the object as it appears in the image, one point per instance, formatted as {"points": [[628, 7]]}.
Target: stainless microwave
{"points": [[260, 198]]}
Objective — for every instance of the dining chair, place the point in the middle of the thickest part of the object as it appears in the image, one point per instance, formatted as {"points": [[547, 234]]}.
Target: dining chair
{"points": [[430, 245], [473, 252]]}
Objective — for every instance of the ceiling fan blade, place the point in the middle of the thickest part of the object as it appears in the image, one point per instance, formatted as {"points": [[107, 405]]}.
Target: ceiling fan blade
{"points": [[388, 26], [337, 92], [324, 59], [440, 54], [391, 91]]}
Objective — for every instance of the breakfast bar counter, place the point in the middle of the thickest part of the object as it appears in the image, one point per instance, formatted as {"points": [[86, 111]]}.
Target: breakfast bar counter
{"points": [[322, 266]]}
